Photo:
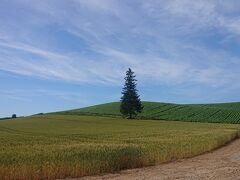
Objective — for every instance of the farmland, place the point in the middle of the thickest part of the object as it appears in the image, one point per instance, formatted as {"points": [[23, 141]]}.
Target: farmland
{"points": [[220, 113], [60, 146]]}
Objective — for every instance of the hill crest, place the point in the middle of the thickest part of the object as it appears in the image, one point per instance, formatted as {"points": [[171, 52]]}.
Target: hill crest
{"points": [[218, 112]]}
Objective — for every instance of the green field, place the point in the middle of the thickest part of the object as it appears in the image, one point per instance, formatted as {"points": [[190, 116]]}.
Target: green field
{"points": [[221, 113], [60, 146]]}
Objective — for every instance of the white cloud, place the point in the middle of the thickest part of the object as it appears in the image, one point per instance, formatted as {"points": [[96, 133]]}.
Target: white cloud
{"points": [[189, 16], [28, 94], [106, 6], [148, 36]]}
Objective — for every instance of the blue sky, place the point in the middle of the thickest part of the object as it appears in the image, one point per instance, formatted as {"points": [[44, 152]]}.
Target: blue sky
{"points": [[57, 55]]}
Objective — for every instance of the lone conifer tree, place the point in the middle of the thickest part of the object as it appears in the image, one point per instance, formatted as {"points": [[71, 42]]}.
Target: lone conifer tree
{"points": [[130, 101]]}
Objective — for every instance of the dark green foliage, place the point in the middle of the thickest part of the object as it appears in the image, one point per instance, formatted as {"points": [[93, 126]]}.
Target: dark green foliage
{"points": [[14, 116], [130, 101], [5, 118]]}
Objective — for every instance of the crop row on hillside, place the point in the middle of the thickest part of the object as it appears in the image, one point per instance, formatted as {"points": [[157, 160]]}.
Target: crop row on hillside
{"points": [[221, 113]]}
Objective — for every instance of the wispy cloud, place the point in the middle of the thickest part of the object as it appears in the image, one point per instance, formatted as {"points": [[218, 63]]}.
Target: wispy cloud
{"points": [[159, 39], [189, 16], [28, 94], [64, 54]]}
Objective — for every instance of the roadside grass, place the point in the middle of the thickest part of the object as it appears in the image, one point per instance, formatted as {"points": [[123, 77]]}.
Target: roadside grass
{"points": [[61, 146]]}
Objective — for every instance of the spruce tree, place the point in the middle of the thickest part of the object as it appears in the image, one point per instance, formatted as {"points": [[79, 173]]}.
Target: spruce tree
{"points": [[130, 100]]}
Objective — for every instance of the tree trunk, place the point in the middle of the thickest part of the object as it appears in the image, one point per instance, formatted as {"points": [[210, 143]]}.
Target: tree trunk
{"points": [[130, 117]]}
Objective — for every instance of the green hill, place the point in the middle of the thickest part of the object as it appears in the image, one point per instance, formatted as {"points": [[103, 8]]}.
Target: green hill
{"points": [[221, 112]]}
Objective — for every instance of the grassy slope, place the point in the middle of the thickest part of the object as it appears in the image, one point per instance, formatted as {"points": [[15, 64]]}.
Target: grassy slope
{"points": [[59, 146], [224, 112]]}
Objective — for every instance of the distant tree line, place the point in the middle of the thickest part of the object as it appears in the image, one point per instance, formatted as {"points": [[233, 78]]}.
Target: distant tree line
{"points": [[12, 117]]}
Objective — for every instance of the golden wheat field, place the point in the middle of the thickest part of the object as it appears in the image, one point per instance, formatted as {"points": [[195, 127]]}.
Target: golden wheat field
{"points": [[60, 146]]}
